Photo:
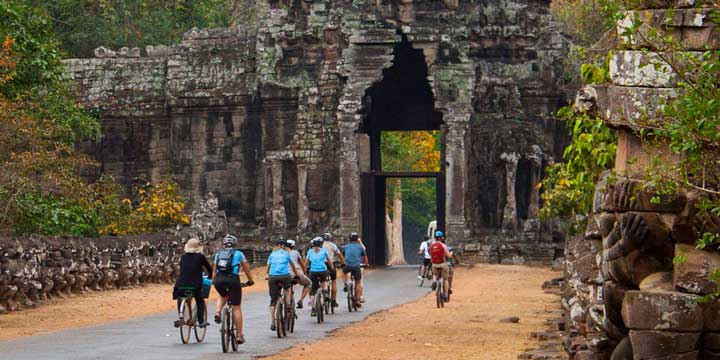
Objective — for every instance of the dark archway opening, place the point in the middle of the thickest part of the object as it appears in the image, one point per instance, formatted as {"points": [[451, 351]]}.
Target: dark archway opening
{"points": [[523, 188], [402, 101]]}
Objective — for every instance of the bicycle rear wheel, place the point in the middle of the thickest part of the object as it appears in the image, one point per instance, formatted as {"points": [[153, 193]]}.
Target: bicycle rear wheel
{"points": [[225, 336], [199, 331], [319, 307], [279, 314], [290, 316], [350, 296], [233, 331], [186, 318]]}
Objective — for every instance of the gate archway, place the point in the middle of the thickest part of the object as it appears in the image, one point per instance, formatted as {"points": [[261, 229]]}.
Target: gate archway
{"points": [[402, 101]]}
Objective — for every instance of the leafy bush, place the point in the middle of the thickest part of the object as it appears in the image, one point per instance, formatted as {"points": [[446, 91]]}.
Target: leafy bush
{"points": [[569, 186], [156, 207]]}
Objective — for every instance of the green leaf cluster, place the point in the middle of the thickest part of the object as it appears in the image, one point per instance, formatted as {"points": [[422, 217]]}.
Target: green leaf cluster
{"points": [[569, 186], [83, 25]]}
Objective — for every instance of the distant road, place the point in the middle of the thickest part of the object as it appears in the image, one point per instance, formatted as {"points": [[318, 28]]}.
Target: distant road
{"points": [[154, 337]]}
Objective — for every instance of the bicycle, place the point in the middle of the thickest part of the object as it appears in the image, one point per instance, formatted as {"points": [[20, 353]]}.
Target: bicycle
{"points": [[426, 275], [227, 326], [285, 313], [352, 300], [187, 317], [320, 302], [327, 297], [439, 290]]}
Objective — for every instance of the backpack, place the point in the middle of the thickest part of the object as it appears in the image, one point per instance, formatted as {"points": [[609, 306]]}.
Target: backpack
{"points": [[224, 261], [437, 253]]}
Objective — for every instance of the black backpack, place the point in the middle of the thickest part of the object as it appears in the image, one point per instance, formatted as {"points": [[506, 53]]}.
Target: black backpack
{"points": [[224, 261]]}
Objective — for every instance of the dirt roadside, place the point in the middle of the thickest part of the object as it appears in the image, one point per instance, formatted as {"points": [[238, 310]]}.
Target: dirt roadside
{"points": [[467, 328], [97, 308]]}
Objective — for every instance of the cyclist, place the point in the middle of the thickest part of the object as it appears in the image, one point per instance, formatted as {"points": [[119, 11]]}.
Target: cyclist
{"points": [[318, 265], [302, 279], [424, 251], [226, 268], [192, 264], [355, 256], [337, 259], [439, 254], [279, 265]]}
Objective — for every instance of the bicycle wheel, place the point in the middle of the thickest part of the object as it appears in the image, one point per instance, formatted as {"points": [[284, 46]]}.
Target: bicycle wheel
{"points": [[290, 316], [319, 307], [438, 293], [350, 296], [186, 320], [225, 336], [332, 308], [233, 331], [199, 331], [279, 314]]}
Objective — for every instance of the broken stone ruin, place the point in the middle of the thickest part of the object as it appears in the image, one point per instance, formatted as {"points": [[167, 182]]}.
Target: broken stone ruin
{"points": [[624, 296], [281, 123]]}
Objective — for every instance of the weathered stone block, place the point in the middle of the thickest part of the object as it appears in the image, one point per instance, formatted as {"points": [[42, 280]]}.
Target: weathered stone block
{"points": [[648, 344], [665, 311], [692, 275], [659, 281]]}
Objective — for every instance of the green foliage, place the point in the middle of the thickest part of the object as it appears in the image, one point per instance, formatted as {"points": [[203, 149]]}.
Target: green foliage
{"points": [[84, 25], [584, 21], [569, 186]]}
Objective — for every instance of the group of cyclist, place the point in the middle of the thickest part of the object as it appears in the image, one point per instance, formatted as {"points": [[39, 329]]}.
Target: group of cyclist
{"points": [[285, 268]]}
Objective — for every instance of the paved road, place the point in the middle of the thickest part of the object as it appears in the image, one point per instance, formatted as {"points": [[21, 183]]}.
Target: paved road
{"points": [[154, 337]]}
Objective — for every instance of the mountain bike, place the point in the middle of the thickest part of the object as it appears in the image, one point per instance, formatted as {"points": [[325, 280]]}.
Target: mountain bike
{"points": [[352, 300], [327, 297], [439, 290], [187, 317], [285, 313], [228, 329], [290, 313], [426, 275], [320, 301]]}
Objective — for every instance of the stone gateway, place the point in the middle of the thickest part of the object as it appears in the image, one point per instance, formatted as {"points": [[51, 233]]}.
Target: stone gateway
{"points": [[275, 122]]}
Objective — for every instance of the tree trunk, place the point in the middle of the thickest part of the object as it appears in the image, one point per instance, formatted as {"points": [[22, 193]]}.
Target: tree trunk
{"points": [[393, 231]]}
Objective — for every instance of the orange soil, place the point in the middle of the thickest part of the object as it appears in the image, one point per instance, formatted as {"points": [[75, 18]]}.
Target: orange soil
{"points": [[99, 308], [467, 328]]}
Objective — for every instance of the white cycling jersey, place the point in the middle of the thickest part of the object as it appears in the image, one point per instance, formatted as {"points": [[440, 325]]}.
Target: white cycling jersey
{"points": [[425, 248]]}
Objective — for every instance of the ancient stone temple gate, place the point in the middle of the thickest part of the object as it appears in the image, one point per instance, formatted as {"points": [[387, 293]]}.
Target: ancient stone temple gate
{"points": [[280, 123]]}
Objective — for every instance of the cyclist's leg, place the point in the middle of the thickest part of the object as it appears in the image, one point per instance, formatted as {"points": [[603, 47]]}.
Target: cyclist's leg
{"points": [[274, 290], [333, 277], [238, 317], [445, 275], [223, 292], [306, 283], [200, 301], [357, 275], [451, 272], [345, 271]]}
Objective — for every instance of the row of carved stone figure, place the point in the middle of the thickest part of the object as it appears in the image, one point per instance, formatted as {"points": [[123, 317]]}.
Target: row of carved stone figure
{"points": [[32, 271]]}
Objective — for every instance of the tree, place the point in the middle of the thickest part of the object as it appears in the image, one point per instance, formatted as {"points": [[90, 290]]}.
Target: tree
{"points": [[408, 151]]}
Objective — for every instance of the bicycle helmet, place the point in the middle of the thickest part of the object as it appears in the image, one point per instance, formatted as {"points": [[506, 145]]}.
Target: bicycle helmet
{"points": [[280, 242], [230, 241], [439, 234], [327, 236], [290, 243], [318, 241], [354, 236]]}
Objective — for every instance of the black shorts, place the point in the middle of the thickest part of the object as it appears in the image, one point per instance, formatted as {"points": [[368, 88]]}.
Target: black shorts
{"points": [[426, 262], [228, 285], [333, 272], [317, 278], [275, 283], [355, 271]]}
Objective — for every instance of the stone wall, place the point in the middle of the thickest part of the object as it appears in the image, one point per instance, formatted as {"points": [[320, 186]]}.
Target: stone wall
{"points": [[36, 269], [625, 297], [272, 122]]}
